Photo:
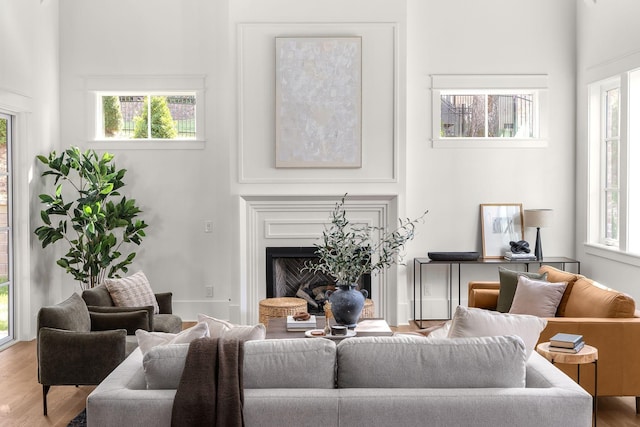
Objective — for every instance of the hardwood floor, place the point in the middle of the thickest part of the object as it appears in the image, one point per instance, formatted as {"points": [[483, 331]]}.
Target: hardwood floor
{"points": [[21, 395]]}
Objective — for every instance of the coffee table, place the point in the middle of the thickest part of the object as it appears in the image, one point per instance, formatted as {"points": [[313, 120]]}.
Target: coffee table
{"points": [[277, 328]]}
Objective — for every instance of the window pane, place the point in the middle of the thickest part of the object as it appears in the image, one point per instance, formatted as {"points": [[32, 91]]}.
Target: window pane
{"points": [[612, 164], [4, 310], [4, 128], [462, 116], [611, 216], [183, 111], [613, 115], [510, 116], [119, 113]]}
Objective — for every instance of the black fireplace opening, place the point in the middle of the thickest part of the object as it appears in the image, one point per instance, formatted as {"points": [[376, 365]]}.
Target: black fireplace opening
{"points": [[286, 277]]}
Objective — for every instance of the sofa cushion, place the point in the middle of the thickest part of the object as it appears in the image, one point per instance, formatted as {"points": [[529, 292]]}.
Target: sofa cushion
{"points": [[148, 340], [406, 362], [476, 322], [508, 284], [221, 328], [71, 315], [290, 363], [555, 275], [591, 299], [163, 366], [537, 297]]}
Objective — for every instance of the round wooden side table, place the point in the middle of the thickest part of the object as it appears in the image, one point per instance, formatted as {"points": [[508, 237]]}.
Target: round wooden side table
{"points": [[587, 354], [280, 307]]}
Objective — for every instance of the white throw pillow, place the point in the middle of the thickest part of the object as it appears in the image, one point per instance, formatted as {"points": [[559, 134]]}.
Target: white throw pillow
{"points": [[537, 297], [477, 322], [132, 291], [221, 328], [148, 340]]}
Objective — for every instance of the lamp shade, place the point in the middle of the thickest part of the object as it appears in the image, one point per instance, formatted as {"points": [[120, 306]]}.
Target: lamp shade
{"points": [[538, 217]]}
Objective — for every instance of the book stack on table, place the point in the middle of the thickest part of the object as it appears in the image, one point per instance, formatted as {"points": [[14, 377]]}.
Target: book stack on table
{"points": [[566, 343], [510, 256], [301, 325]]}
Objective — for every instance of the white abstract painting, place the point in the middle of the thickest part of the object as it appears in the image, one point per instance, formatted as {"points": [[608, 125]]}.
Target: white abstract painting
{"points": [[318, 102]]}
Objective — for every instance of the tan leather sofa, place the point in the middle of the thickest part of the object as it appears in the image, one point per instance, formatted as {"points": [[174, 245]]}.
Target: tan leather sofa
{"points": [[607, 319]]}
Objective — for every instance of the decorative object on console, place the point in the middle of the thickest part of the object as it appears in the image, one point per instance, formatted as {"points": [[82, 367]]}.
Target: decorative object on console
{"points": [[520, 247], [95, 225], [453, 256], [347, 251], [501, 224], [538, 218]]}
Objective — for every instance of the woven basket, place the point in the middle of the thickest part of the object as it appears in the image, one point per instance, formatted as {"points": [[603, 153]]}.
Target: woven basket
{"points": [[368, 311], [271, 308]]}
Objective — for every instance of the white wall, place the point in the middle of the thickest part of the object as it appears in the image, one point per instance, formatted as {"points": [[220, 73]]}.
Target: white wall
{"points": [[489, 37], [179, 190], [608, 43], [29, 92]]}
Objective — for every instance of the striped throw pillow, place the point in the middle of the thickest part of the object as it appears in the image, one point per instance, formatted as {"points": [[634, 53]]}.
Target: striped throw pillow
{"points": [[132, 291]]}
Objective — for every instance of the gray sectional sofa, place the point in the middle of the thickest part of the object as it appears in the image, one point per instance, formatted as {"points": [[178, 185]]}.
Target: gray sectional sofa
{"points": [[373, 381]]}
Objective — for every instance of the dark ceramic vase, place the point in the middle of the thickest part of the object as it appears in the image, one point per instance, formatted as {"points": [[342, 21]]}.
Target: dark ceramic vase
{"points": [[346, 304]]}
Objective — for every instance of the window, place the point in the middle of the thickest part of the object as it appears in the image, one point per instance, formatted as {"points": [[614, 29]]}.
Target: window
{"points": [[488, 110], [6, 231], [147, 116], [146, 112], [614, 185], [486, 115]]}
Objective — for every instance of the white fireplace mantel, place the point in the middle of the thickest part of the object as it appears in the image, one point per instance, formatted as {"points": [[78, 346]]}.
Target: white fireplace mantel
{"points": [[273, 221]]}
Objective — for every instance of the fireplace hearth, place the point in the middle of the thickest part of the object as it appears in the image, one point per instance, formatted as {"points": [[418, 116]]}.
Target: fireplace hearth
{"points": [[286, 277]]}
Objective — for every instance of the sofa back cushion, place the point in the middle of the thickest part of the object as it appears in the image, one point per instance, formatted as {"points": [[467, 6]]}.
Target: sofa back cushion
{"points": [[408, 362], [71, 315], [98, 296], [556, 276], [591, 299], [289, 363]]}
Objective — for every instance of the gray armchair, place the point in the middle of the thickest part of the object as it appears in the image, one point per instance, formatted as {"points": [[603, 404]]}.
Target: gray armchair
{"points": [[76, 347], [98, 299]]}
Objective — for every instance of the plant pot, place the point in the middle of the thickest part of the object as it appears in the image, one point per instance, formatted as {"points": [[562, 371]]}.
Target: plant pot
{"points": [[346, 304]]}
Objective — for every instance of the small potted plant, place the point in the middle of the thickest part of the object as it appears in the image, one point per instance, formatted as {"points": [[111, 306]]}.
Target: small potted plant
{"points": [[347, 251]]}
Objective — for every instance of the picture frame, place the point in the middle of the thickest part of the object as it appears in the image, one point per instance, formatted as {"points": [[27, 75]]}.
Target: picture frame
{"points": [[501, 223], [318, 102]]}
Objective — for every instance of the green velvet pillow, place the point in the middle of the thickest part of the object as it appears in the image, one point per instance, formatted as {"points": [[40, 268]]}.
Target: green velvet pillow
{"points": [[508, 284]]}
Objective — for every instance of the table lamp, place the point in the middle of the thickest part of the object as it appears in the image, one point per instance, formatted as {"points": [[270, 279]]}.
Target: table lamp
{"points": [[538, 218]]}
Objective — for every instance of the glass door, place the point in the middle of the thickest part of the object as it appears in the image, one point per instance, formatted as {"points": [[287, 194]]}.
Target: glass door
{"points": [[6, 273]]}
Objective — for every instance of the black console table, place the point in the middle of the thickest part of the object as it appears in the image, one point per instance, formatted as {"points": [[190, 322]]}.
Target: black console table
{"points": [[420, 264]]}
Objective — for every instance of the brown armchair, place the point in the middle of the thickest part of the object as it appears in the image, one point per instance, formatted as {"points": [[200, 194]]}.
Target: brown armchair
{"points": [[76, 347], [98, 299]]}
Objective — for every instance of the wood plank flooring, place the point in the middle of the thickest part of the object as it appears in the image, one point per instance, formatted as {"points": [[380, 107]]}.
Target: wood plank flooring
{"points": [[21, 395]]}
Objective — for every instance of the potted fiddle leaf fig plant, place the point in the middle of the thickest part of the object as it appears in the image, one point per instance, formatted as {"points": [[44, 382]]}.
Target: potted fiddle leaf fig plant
{"points": [[347, 251], [86, 211]]}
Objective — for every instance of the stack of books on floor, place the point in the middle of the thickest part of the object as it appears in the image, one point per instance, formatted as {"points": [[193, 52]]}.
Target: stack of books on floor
{"points": [[566, 343], [301, 325], [510, 256]]}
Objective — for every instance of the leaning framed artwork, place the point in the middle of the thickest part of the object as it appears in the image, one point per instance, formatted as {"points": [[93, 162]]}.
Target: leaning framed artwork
{"points": [[501, 223], [318, 102]]}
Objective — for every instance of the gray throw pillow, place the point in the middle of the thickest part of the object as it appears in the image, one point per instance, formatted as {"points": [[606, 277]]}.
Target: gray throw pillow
{"points": [[508, 284]]}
